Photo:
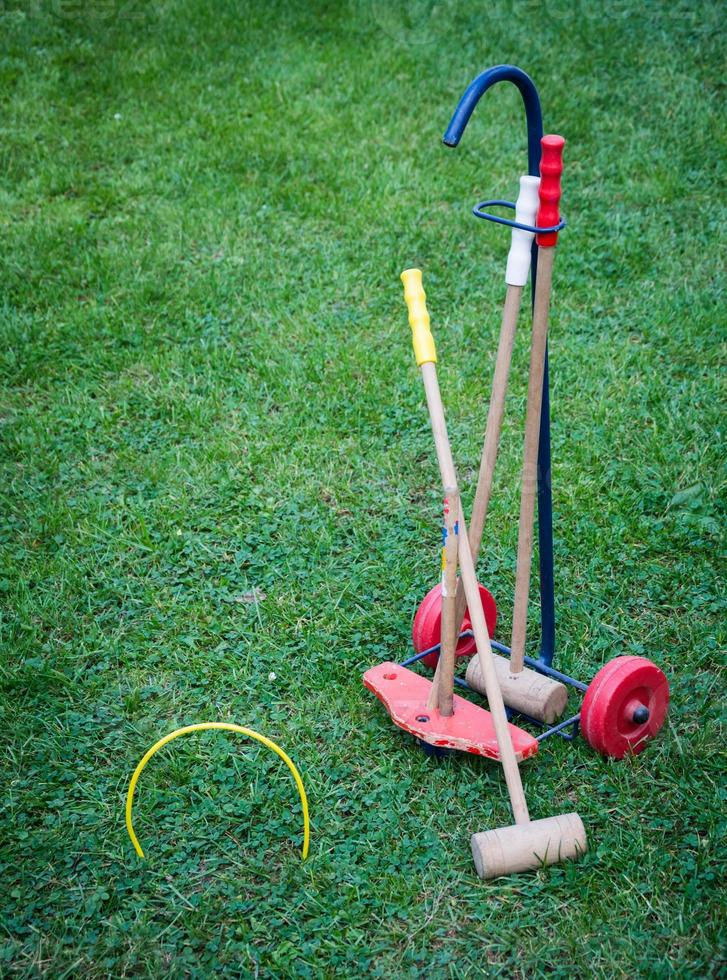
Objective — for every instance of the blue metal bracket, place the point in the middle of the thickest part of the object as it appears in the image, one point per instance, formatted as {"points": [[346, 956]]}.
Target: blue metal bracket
{"points": [[534, 121], [561, 729], [480, 211]]}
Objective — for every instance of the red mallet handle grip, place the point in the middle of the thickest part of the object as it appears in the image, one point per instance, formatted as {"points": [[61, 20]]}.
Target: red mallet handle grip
{"points": [[551, 167]]}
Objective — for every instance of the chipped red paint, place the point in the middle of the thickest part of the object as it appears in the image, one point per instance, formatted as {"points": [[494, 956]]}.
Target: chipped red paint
{"points": [[404, 694]]}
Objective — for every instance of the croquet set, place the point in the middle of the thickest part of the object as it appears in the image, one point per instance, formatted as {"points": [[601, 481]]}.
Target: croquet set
{"points": [[625, 704]]}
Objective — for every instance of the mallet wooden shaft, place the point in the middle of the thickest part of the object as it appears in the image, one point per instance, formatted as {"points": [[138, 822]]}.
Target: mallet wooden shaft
{"points": [[474, 602], [530, 457], [495, 415], [442, 693]]}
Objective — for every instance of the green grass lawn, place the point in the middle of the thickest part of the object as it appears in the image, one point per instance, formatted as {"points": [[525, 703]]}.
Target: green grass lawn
{"points": [[220, 499]]}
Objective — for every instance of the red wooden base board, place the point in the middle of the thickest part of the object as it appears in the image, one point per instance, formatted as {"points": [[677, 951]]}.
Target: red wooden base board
{"points": [[404, 694]]}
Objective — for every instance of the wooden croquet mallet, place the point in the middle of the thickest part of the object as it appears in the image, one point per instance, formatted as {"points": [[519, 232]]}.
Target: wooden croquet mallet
{"points": [[551, 168], [527, 844], [516, 276]]}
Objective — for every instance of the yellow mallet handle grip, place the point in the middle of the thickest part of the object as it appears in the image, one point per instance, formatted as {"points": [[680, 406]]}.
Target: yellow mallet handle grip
{"points": [[416, 301]]}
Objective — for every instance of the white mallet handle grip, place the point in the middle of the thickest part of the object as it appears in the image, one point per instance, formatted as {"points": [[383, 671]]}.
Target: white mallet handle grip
{"points": [[526, 208]]}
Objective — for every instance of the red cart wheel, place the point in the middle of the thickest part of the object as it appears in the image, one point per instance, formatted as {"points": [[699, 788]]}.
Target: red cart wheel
{"points": [[427, 627], [625, 706]]}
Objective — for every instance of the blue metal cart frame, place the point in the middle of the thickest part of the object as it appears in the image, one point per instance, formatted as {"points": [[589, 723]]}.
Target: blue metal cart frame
{"points": [[534, 120]]}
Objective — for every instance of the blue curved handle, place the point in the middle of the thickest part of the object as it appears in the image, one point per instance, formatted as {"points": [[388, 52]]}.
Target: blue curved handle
{"points": [[475, 91]]}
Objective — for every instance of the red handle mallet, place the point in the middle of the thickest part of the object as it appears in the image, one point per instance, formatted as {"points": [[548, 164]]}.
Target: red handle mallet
{"points": [[551, 168]]}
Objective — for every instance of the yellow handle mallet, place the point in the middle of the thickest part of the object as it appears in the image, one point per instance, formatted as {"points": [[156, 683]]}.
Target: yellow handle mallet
{"points": [[528, 844]]}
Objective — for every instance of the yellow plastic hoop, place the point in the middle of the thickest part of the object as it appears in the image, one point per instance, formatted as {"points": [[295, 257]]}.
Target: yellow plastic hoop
{"points": [[224, 726]]}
